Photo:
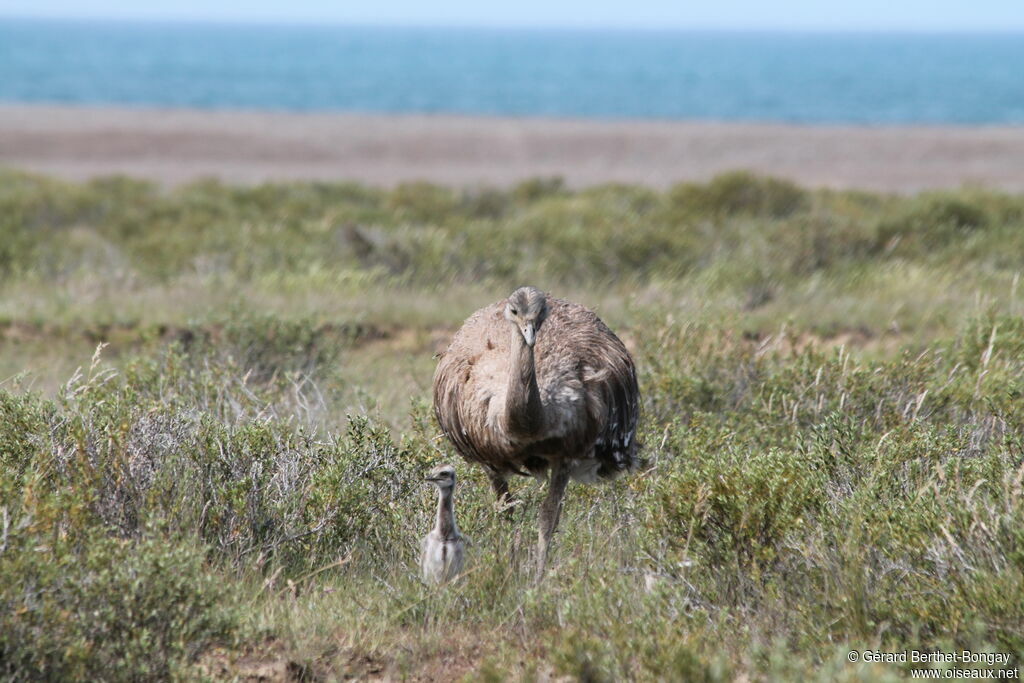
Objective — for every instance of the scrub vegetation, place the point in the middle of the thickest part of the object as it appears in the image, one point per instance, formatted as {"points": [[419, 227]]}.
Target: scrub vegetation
{"points": [[214, 426]]}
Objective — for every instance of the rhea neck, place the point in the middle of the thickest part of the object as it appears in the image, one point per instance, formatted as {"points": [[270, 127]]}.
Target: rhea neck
{"points": [[445, 525], [523, 414]]}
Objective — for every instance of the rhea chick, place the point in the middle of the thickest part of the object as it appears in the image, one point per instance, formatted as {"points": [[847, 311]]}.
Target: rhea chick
{"points": [[444, 548]]}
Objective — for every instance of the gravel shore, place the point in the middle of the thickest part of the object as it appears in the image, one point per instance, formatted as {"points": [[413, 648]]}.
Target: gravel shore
{"points": [[177, 146]]}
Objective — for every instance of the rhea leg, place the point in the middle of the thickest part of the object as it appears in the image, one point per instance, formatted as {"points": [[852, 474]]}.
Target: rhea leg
{"points": [[507, 507], [500, 485], [550, 510]]}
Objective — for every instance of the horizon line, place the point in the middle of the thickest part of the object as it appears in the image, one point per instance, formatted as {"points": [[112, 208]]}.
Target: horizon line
{"points": [[309, 22]]}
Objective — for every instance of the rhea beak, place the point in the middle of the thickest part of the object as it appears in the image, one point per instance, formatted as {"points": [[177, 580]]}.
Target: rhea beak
{"points": [[529, 333]]}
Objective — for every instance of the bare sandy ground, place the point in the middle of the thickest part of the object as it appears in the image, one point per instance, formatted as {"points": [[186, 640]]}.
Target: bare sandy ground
{"points": [[176, 146]]}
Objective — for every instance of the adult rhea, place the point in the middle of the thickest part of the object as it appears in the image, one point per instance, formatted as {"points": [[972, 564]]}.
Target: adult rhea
{"points": [[535, 385]]}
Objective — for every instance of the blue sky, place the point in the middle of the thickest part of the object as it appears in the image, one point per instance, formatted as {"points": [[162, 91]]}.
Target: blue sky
{"points": [[918, 15]]}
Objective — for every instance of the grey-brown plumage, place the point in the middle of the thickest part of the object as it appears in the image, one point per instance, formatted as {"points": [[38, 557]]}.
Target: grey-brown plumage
{"points": [[534, 384], [443, 550]]}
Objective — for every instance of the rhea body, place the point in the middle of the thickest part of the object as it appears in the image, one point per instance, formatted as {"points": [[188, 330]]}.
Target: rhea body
{"points": [[541, 386], [443, 551]]}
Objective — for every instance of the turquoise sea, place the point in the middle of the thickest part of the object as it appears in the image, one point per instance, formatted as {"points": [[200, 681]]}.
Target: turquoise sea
{"points": [[787, 77]]}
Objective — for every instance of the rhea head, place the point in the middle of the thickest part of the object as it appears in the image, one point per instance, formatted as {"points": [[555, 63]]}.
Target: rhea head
{"points": [[526, 308], [442, 476]]}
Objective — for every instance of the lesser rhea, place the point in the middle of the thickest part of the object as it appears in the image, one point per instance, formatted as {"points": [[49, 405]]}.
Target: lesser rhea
{"points": [[533, 385], [444, 548]]}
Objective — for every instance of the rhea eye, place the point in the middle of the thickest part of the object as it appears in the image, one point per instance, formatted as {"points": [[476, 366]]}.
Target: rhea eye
{"points": [[515, 311]]}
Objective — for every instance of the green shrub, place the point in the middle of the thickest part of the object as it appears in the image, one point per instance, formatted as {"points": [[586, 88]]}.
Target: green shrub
{"points": [[739, 193], [422, 202], [732, 503], [270, 346], [534, 189], [24, 419], [107, 610], [930, 222]]}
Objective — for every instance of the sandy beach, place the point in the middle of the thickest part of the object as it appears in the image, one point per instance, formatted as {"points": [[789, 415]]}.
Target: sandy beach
{"points": [[176, 146]]}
